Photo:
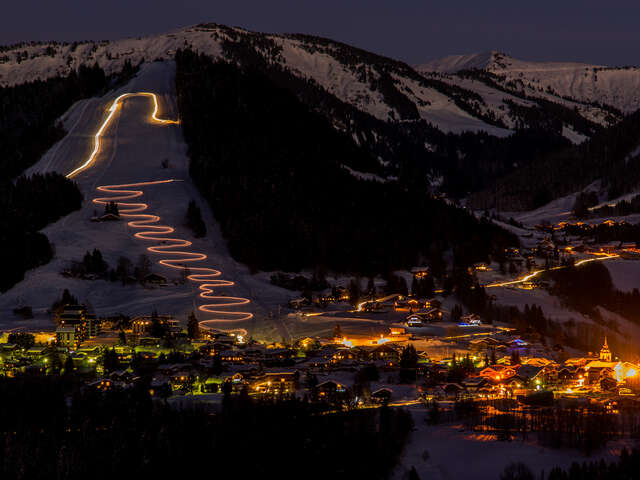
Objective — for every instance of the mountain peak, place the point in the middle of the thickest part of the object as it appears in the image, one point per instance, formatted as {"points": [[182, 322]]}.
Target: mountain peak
{"points": [[455, 63]]}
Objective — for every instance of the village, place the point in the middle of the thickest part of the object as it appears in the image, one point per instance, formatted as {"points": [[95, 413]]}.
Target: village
{"points": [[395, 366]]}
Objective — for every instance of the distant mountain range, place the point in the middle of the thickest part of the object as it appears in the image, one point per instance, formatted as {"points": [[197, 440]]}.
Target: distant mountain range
{"points": [[449, 123]]}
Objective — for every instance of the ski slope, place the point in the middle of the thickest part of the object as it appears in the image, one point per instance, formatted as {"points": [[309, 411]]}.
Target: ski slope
{"points": [[132, 149]]}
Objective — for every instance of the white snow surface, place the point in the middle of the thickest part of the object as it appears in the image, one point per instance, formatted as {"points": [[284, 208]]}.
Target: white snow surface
{"points": [[453, 453], [615, 86], [321, 66]]}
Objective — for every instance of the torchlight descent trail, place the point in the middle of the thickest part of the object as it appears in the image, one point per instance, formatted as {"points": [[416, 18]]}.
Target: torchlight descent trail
{"points": [[206, 277]]}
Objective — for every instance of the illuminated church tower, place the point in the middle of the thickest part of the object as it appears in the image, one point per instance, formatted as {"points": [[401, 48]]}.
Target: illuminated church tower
{"points": [[605, 353]]}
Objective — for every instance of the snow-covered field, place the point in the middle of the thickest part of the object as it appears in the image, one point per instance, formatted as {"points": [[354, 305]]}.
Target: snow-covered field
{"points": [[455, 454], [625, 274], [133, 150]]}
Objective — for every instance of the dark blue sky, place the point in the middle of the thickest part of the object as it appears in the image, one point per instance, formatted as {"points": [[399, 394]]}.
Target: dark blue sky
{"points": [[410, 30]]}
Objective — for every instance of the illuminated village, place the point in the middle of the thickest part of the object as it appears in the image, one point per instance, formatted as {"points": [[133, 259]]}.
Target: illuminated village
{"points": [[428, 357], [244, 254]]}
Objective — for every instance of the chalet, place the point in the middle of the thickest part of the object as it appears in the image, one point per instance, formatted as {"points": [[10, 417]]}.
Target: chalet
{"points": [[513, 382], [298, 303], [102, 384], [567, 373], [450, 391], [610, 247], [36, 352], [511, 252], [277, 354], [362, 353], [407, 305], [420, 272], [420, 319], [529, 372], [481, 267], [142, 324], [483, 344], [232, 356], [275, 383], [385, 352], [155, 279], [608, 383], [329, 389], [382, 395], [123, 376], [537, 361], [497, 372], [344, 353], [474, 384], [596, 371]]}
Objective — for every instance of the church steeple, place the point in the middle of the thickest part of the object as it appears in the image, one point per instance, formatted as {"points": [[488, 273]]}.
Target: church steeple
{"points": [[605, 353]]}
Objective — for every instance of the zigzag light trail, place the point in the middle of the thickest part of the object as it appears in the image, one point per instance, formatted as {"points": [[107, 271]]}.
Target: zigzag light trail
{"points": [[206, 277]]}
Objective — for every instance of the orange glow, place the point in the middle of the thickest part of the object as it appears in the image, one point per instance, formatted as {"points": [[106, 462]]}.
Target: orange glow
{"points": [[526, 278], [112, 110], [204, 275]]}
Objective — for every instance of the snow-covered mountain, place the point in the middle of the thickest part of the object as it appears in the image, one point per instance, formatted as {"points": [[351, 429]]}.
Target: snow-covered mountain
{"points": [[348, 73], [371, 83], [402, 114], [595, 84]]}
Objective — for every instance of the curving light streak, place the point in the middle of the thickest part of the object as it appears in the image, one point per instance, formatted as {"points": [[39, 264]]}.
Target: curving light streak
{"points": [[207, 277], [538, 272], [112, 110]]}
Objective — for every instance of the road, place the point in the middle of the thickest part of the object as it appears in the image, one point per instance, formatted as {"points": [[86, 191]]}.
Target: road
{"points": [[531, 275]]}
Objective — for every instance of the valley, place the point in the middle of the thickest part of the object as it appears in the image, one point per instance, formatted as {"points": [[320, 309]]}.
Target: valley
{"points": [[242, 225]]}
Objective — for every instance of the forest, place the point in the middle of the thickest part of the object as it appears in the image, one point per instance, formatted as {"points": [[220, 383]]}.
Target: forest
{"points": [[608, 155], [28, 128], [590, 286], [79, 432], [27, 206], [272, 171]]}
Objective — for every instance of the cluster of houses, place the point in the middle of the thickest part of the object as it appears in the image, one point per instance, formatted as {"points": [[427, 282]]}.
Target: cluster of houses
{"points": [[495, 364], [575, 377]]}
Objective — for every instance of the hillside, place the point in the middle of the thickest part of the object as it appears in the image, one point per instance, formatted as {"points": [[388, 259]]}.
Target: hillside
{"points": [[615, 87], [455, 125]]}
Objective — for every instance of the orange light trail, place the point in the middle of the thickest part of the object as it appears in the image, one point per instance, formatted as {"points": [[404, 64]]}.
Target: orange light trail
{"points": [[112, 110], [538, 272], [206, 277]]}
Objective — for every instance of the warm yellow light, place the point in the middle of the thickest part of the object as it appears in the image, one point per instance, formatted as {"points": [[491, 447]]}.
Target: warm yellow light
{"points": [[112, 110]]}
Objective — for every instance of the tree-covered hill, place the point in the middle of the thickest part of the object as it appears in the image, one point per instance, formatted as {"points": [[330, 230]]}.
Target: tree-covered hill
{"points": [[274, 173]]}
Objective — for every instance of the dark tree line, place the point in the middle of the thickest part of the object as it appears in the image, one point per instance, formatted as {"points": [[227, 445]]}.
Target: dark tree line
{"points": [[27, 206], [272, 172], [79, 432], [194, 220], [606, 156], [590, 285], [414, 151], [28, 114]]}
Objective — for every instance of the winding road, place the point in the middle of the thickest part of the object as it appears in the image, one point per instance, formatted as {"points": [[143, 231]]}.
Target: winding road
{"points": [[534, 274], [172, 248]]}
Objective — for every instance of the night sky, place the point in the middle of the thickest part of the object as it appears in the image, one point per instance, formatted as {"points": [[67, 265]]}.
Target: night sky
{"points": [[410, 30]]}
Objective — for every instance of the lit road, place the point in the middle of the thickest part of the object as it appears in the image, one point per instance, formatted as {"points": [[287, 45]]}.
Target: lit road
{"points": [[173, 249], [531, 275]]}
